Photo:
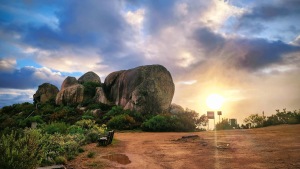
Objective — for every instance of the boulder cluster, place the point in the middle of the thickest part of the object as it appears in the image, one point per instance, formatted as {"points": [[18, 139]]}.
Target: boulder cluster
{"points": [[146, 89]]}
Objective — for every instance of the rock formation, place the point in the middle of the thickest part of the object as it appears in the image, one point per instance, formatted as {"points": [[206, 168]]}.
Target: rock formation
{"points": [[45, 92], [100, 96], [89, 77], [147, 89], [70, 95], [72, 91], [176, 109], [69, 81]]}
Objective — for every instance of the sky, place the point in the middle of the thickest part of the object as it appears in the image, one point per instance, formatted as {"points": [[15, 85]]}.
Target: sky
{"points": [[248, 51]]}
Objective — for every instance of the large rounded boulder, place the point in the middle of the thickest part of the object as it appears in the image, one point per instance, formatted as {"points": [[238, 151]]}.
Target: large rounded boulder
{"points": [[71, 92], [45, 93], [70, 95], [146, 89], [89, 77], [69, 81]]}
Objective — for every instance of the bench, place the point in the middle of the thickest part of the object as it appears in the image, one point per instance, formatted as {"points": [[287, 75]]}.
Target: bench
{"points": [[106, 140]]}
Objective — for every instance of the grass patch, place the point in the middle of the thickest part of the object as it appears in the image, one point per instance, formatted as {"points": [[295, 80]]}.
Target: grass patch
{"points": [[91, 154]]}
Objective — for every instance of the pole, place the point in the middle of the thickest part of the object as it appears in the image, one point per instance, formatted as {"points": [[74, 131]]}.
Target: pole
{"points": [[208, 125], [215, 124]]}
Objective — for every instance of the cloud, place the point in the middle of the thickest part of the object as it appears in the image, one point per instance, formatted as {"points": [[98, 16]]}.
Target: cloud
{"points": [[267, 20], [29, 77], [268, 12], [7, 64], [13, 96], [244, 53]]}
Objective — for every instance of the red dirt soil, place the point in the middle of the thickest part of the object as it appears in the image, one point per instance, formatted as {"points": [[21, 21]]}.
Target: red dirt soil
{"points": [[269, 147]]}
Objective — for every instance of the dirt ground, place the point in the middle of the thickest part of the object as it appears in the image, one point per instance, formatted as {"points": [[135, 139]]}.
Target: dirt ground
{"points": [[271, 147]]}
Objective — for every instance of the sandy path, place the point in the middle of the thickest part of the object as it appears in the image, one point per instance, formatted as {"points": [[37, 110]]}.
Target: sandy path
{"points": [[271, 147]]}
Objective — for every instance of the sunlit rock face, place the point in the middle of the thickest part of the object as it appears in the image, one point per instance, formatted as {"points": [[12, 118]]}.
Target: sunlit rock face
{"points": [[69, 81], [70, 95], [100, 96], [45, 92], [146, 89], [89, 77], [72, 90]]}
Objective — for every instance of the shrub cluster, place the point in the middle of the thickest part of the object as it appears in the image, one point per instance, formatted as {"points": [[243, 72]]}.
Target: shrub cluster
{"points": [[281, 117], [185, 121], [22, 150]]}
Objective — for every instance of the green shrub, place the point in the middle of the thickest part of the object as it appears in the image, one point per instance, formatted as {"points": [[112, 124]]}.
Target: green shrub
{"points": [[92, 137], [60, 160], [86, 123], [89, 92], [122, 122], [56, 127], [157, 123], [87, 117], [80, 150], [75, 130], [21, 150], [91, 154], [63, 145], [185, 121]]}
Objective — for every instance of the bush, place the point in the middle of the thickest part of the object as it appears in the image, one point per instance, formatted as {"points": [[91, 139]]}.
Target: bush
{"points": [[91, 154], [63, 145], [157, 123], [21, 150], [122, 122], [80, 150], [60, 160], [92, 137], [85, 123], [56, 128], [75, 130], [89, 92]]}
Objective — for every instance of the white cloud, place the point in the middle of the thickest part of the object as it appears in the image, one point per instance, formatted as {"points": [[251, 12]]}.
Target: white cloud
{"points": [[69, 60], [189, 82], [7, 64], [181, 9], [219, 12], [135, 18], [13, 96]]}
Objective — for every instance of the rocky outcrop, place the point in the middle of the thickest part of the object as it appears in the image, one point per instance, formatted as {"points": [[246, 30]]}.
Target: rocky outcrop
{"points": [[72, 91], [70, 95], [89, 77], [69, 81], [45, 92], [176, 109], [100, 96], [147, 89]]}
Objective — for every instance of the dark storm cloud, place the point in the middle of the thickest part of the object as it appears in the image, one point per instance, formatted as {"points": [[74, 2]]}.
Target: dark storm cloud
{"points": [[270, 11], [246, 53], [208, 40], [260, 52], [88, 23], [265, 16], [96, 25], [28, 77]]}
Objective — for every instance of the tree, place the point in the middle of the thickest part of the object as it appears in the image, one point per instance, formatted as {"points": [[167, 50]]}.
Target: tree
{"points": [[202, 121], [255, 120], [224, 125]]}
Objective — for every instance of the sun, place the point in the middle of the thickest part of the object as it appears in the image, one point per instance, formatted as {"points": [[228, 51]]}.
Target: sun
{"points": [[215, 101]]}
